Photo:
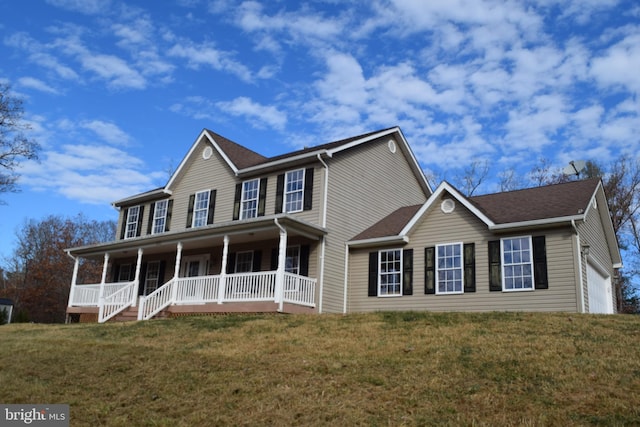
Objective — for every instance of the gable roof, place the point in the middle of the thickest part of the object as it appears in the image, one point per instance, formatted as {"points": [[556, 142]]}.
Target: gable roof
{"points": [[528, 207], [564, 200], [243, 161]]}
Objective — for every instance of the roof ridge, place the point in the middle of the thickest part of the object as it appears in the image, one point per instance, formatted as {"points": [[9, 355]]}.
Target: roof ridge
{"points": [[555, 184]]}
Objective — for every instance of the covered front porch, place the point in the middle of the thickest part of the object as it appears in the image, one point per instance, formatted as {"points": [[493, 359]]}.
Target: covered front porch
{"points": [[209, 272]]}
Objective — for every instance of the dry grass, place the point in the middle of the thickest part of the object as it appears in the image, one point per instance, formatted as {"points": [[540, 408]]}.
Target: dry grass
{"points": [[374, 369]]}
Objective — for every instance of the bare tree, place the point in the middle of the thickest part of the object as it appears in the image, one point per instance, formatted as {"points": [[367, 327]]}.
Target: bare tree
{"points": [[509, 180], [473, 176], [14, 144]]}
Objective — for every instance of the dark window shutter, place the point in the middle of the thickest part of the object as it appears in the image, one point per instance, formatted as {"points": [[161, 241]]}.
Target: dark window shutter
{"points": [[139, 227], [540, 262], [167, 221], [304, 260], [257, 261], [469, 267], [430, 270], [124, 223], [373, 274], [132, 272], [407, 272], [163, 266], [116, 272], [212, 206], [192, 202], [143, 278], [231, 263], [279, 193], [262, 197], [152, 210], [308, 190], [274, 259], [495, 266], [236, 202]]}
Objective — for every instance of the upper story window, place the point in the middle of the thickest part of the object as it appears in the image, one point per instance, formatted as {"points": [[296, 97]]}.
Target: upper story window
{"points": [[201, 208], [517, 264], [249, 201], [449, 268], [134, 216], [160, 223], [294, 191]]}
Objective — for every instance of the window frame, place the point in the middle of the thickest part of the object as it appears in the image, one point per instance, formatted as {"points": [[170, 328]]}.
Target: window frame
{"points": [[160, 222], [239, 261], [460, 268], [399, 273], [292, 257], [124, 268], [244, 200], [199, 210], [147, 280], [287, 194], [133, 210], [529, 263]]}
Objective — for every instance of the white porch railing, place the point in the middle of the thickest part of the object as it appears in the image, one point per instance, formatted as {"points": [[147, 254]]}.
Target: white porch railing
{"points": [[241, 287], [299, 290], [115, 300], [85, 296]]}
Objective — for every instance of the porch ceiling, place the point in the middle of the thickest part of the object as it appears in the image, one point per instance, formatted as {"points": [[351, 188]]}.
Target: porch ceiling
{"points": [[256, 229]]}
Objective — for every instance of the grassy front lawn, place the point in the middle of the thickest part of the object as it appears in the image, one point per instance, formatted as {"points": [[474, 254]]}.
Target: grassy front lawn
{"points": [[401, 368]]}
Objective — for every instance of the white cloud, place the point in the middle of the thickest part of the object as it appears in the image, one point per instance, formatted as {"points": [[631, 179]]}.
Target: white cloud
{"points": [[205, 54], [619, 64], [88, 7], [33, 83], [108, 132], [257, 114], [115, 71]]}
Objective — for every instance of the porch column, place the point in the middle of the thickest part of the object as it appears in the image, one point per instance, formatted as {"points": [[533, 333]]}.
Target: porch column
{"points": [[176, 272], [74, 279], [102, 282], [222, 284], [282, 259], [136, 287]]}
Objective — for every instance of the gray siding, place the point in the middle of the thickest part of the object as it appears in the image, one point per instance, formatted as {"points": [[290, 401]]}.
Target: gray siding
{"points": [[462, 226], [366, 183]]}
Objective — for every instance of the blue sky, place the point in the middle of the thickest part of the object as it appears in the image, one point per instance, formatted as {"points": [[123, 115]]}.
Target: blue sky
{"points": [[116, 92]]}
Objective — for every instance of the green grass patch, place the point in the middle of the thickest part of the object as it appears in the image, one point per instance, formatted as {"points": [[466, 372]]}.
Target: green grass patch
{"points": [[391, 368]]}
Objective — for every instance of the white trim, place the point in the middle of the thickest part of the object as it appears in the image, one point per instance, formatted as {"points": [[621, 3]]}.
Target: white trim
{"points": [[285, 193], [378, 241], [244, 200], [235, 266], [461, 246], [530, 262], [195, 203], [536, 222], [379, 284]]}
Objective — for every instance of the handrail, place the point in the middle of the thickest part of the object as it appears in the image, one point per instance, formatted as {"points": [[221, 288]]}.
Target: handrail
{"points": [[156, 301], [116, 302]]}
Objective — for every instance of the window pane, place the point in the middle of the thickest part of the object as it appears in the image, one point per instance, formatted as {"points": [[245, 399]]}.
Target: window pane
{"points": [[518, 265], [449, 268], [294, 190], [201, 209], [250, 191], [390, 272]]}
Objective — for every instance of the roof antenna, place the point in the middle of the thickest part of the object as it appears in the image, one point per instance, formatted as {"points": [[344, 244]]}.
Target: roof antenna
{"points": [[574, 168]]}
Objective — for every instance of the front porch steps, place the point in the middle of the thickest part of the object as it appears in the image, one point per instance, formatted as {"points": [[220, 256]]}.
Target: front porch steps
{"points": [[131, 315]]}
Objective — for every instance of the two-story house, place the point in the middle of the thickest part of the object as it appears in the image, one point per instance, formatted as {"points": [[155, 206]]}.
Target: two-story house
{"points": [[344, 227], [234, 231]]}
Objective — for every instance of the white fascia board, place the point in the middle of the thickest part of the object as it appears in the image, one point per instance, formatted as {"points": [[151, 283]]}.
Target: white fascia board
{"points": [[605, 216], [311, 155], [537, 222], [221, 152], [142, 197], [444, 186], [378, 241]]}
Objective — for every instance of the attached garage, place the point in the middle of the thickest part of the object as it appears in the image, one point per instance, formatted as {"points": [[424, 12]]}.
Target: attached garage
{"points": [[599, 286]]}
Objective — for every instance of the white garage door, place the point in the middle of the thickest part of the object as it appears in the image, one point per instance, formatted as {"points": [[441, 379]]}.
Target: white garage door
{"points": [[600, 298]]}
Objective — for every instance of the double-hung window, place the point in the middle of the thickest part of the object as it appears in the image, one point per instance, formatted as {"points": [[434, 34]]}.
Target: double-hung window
{"points": [[292, 263], [160, 217], [201, 209], [294, 191], [449, 268], [390, 273], [249, 203], [133, 217], [244, 262], [152, 277], [517, 264]]}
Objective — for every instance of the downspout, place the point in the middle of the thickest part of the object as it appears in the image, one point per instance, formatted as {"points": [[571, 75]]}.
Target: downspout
{"points": [[575, 228], [346, 277], [324, 237]]}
